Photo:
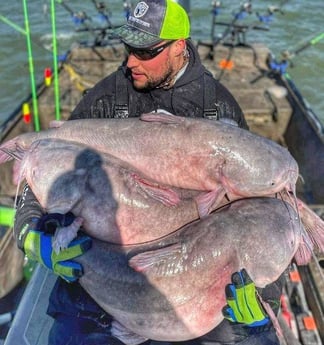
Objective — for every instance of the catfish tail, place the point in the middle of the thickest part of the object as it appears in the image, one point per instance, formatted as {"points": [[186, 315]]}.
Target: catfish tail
{"points": [[313, 224], [312, 236], [304, 252]]}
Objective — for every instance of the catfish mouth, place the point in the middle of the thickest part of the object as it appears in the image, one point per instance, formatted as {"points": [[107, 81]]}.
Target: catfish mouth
{"points": [[285, 182]]}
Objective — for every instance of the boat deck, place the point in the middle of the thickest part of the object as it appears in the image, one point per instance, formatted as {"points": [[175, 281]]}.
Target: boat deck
{"points": [[253, 92]]}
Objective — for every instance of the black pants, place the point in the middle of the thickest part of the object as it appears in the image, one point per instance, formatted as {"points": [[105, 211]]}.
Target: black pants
{"points": [[78, 320]]}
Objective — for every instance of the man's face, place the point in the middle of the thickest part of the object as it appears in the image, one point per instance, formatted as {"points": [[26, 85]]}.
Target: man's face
{"points": [[150, 73]]}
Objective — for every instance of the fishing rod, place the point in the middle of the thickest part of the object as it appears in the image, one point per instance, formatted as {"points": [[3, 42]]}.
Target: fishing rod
{"points": [[82, 18], [26, 32], [78, 18], [268, 17], [31, 68], [311, 42], [281, 66], [286, 61], [237, 34], [29, 40], [238, 38], [244, 11], [23, 32], [127, 6], [216, 6], [103, 13], [12, 24]]}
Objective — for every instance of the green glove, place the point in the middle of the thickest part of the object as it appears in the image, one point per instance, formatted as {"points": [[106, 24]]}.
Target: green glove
{"points": [[243, 305], [38, 247]]}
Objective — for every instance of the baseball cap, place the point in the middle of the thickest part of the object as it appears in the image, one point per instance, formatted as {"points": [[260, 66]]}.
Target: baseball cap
{"points": [[153, 21]]}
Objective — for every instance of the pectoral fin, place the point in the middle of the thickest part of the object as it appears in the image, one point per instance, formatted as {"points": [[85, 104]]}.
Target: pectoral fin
{"points": [[208, 201], [158, 262], [165, 195]]}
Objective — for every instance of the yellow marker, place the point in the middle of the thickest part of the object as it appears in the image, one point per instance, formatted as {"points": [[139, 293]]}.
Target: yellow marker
{"points": [[48, 76], [26, 113]]}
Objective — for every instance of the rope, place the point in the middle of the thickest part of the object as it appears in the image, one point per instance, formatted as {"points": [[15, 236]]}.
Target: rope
{"points": [[80, 83]]}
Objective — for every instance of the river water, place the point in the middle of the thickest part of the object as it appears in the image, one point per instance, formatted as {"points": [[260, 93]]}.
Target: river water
{"points": [[298, 22]]}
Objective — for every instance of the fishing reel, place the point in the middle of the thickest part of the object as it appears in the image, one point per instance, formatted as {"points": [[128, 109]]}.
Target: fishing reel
{"points": [[103, 12], [127, 6], [245, 10], [277, 66], [268, 17], [216, 6], [80, 18]]}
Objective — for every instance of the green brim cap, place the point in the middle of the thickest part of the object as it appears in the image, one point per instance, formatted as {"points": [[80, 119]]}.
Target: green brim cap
{"points": [[154, 21]]}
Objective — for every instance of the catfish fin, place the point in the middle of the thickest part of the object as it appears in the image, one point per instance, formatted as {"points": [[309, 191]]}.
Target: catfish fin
{"points": [[125, 335], [207, 201], [56, 123], [228, 121], [158, 262], [167, 196], [313, 225], [162, 117]]}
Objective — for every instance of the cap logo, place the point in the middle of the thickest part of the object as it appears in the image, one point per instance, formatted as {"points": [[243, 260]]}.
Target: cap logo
{"points": [[140, 9]]}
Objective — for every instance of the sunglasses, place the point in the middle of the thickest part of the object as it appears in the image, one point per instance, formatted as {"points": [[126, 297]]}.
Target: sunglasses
{"points": [[146, 54]]}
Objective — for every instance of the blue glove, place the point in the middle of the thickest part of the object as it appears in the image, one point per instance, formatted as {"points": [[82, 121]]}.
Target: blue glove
{"points": [[243, 305], [38, 246]]}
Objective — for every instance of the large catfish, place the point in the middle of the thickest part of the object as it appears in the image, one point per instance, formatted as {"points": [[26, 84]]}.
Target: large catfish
{"points": [[104, 191], [172, 289], [214, 157], [70, 177]]}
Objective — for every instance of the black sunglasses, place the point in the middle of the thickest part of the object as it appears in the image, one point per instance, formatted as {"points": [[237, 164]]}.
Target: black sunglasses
{"points": [[146, 54]]}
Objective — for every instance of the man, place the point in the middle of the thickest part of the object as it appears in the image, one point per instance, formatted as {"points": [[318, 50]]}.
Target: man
{"points": [[162, 71]]}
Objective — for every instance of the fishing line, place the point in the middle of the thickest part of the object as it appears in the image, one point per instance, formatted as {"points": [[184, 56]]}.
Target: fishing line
{"points": [[23, 32], [12, 24]]}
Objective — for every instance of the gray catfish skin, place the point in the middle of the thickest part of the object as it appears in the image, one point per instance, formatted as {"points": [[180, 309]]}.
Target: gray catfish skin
{"points": [[198, 154], [172, 289], [69, 177]]}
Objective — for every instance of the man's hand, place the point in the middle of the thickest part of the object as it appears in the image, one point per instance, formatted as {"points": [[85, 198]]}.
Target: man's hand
{"points": [[243, 305], [38, 246]]}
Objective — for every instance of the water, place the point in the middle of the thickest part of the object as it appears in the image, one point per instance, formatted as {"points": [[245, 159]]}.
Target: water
{"points": [[300, 22]]}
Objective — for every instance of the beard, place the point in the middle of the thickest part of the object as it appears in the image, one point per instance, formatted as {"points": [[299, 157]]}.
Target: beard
{"points": [[154, 81]]}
